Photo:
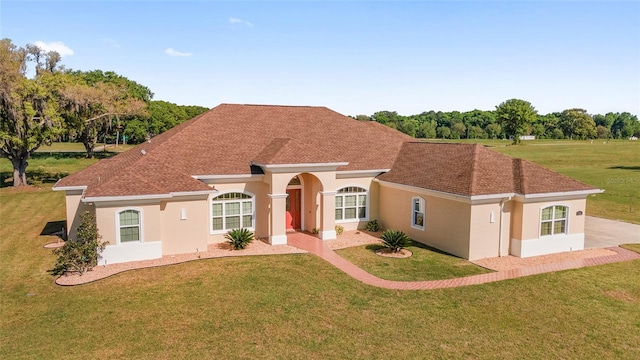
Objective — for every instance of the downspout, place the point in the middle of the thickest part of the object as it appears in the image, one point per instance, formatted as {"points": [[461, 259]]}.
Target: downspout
{"points": [[501, 220]]}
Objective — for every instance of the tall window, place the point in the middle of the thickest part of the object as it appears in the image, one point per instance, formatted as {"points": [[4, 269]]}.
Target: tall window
{"points": [[129, 226], [232, 211], [553, 220], [417, 213], [351, 203]]}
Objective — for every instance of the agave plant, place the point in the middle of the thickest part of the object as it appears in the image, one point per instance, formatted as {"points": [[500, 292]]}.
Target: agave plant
{"points": [[395, 240], [239, 238]]}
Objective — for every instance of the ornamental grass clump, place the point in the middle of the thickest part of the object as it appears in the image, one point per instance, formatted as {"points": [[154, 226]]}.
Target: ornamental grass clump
{"points": [[395, 240], [239, 238]]}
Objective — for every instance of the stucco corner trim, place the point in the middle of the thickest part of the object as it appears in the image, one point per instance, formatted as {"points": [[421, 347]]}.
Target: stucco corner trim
{"points": [[327, 235], [278, 239]]}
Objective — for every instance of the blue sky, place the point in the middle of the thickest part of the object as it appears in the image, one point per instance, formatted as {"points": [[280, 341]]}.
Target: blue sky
{"points": [[354, 57]]}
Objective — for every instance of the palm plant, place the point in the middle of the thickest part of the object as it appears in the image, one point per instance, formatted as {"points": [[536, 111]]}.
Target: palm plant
{"points": [[239, 238], [395, 240]]}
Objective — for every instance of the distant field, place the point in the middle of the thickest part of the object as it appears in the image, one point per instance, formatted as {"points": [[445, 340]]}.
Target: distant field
{"points": [[78, 147], [50, 163]]}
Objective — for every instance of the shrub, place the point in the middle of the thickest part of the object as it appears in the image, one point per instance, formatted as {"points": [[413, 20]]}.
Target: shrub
{"points": [[315, 231], [339, 229], [239, 238], [80, 254], [395, 240], [373, 226]]}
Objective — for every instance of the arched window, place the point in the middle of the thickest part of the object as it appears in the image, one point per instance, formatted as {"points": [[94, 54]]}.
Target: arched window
{"points": [[352, 203], [417, 213], [553, 220], [232, 211], [129, 226]]}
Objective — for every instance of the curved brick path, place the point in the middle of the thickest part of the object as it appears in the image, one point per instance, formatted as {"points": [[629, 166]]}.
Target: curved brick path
{"points": [[321, 249]]}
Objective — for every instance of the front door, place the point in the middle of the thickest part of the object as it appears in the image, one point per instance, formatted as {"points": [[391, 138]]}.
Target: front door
{"points": [[293, 209]]}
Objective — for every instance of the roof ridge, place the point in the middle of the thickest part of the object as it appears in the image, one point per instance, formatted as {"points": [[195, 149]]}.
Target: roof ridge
{"points": [[474, 162], [272, 105], [518, 176]]}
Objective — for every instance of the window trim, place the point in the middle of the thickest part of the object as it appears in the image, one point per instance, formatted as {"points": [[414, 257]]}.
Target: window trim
{"points": [[224, 230], [367, 203], [140, 225], [566, 227], [423, 206]]}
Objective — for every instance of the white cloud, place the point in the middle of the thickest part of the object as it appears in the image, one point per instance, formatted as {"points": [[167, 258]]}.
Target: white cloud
{"points": [[172, 52], [234, 21], [57, 46], [111, 42]]}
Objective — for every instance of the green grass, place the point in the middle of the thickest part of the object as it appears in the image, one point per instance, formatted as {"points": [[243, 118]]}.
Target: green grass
{"points": [[426, 263], [632, 247], [295, 306]]}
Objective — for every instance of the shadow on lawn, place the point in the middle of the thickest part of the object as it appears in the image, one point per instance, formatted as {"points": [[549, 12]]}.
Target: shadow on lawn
{"points": [[633, 168], [54, 228], [375, 247]]}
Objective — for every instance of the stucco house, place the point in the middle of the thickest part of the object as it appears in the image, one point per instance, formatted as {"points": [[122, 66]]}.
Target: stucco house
{"points": [[275, 169]]}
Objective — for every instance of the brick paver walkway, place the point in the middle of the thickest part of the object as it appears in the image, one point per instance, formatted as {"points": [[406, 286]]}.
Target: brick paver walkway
{"points": [[316, 246]]}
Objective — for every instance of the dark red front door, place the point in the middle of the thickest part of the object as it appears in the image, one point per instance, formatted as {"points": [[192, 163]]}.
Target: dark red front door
{"points": [[293, 209]]}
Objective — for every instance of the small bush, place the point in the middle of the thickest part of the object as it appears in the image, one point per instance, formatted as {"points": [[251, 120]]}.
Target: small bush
{"points": [[373, 226], [80, 254], [239, 238], [315, 231], [339, 229], [395, 240]]}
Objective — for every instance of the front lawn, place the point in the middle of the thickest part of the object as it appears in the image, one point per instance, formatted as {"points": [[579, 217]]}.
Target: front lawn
{"points": [[295, 306], [426, 263]]}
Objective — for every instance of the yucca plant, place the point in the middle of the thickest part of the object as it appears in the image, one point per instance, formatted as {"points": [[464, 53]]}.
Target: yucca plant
{"points": [[239, 238], [395, 240]]}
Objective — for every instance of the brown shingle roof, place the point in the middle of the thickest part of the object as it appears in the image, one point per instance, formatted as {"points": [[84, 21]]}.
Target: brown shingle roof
{"points": [[471, 170], [229, 138]]}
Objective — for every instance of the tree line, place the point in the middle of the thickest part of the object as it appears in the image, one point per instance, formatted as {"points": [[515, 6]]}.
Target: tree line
{"points": [[502, 123], [41, 101]]}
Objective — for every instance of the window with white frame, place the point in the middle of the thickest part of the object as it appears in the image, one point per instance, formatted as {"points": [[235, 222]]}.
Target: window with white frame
{"points": [[232, 211], [417, 213], [553, 220], [351, 203], [129, 226]]}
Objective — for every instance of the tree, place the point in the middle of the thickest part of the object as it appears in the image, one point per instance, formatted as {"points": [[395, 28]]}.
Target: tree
{"points": [[457, 130], [427, 130], [80, 254], [443, 132], [28, 110], [578, 124], [515, 116], [91, 100], [476, 132], [603, 132], [493, 130]]}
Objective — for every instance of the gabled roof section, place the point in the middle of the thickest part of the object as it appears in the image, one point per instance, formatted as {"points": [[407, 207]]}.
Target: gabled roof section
{"points": [[473, 170]]}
